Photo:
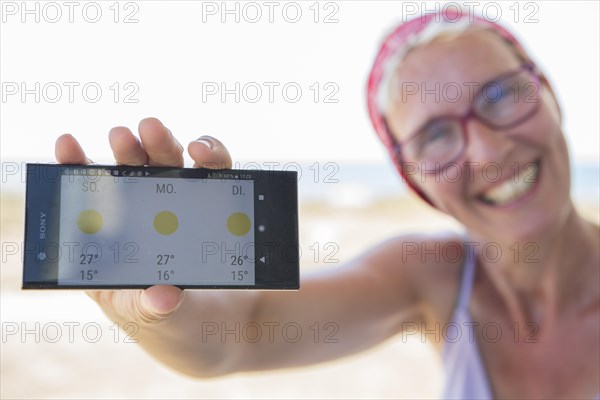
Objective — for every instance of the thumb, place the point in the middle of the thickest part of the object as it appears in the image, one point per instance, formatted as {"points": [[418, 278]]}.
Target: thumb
{"points": [[143, 306], [209, 152], [158, 302]]}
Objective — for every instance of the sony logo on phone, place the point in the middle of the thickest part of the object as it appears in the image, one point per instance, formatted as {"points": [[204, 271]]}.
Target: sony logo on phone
{"points": [[42, 225]]}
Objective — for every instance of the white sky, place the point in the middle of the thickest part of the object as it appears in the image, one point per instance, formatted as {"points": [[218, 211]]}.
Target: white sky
{"points": [[171, 51]]}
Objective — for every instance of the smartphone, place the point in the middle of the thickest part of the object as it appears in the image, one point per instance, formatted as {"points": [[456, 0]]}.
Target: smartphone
{"points": [[121, 227]]}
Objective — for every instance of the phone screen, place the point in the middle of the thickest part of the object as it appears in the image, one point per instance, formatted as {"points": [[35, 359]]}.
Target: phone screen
{"points": [[116, 227]]}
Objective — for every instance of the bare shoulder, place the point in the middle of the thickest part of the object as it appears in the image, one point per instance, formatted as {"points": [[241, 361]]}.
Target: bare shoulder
{"points": [[423, 269]]}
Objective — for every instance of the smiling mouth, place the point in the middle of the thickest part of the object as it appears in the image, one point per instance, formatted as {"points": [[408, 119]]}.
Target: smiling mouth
{"points": [[513, 189]]}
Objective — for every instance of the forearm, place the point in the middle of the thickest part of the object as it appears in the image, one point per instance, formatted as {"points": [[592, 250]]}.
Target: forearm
{"points": [[336, 313]]}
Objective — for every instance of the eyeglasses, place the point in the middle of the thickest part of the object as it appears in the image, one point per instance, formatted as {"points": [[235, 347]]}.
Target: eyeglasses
{"points": [[503, 103]]}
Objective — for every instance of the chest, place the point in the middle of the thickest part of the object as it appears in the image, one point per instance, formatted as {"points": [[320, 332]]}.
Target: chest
{"points": [[526, 361]]}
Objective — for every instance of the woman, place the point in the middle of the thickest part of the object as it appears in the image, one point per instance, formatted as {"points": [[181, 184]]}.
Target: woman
{"points": [[539, 290]]}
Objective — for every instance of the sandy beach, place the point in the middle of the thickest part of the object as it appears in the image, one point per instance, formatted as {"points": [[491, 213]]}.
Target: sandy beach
{"points": [[59, 344]]}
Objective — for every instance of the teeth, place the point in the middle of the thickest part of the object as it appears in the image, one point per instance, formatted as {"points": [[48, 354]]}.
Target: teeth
{"points": [[512, 188]]}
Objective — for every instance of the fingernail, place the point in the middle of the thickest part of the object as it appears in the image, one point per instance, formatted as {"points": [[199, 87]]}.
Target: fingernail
{"points": [[207, 141]]}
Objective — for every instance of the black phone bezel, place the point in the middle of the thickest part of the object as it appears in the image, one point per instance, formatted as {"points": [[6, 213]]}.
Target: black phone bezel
{"points": [[276, 248]]}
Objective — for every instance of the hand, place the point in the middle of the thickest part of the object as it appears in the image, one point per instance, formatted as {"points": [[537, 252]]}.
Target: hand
{"points": [[156, 146]]}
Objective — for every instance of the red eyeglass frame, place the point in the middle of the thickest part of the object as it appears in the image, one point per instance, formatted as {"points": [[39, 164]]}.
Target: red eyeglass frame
{"points": [[467, 116]]}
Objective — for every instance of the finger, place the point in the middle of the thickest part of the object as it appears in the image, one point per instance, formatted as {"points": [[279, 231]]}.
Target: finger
{"points": [[208, 152], [161, 300], [126, 148], [68, 151], [160, 144], [141, 306]]}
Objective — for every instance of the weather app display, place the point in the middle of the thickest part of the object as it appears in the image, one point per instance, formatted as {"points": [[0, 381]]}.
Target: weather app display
{"points": [[154, 230]]}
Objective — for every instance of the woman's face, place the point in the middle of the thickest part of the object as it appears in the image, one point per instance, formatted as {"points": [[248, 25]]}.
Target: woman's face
{"points": [[478, 190]]}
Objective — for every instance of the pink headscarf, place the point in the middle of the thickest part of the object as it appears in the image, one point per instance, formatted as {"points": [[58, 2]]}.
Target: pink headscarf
{"points": [[393, 43]]}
